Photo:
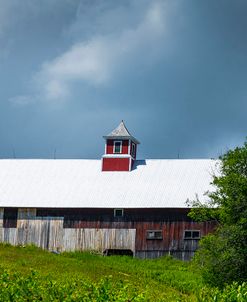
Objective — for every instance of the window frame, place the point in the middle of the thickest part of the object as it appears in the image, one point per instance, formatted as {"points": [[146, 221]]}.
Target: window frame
{"points": [[10, 217], [114, 147], [116, 210], [133, 149], [192, 236], [155, 237]]}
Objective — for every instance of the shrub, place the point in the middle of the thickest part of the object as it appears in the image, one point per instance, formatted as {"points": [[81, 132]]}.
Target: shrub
{"points": [[231, 293], [15, 287]]}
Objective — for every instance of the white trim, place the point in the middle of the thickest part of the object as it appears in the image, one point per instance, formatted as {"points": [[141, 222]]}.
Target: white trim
{"points": [[129, 147], [130, 164], [105, 146], [121, 137], [121, 145], [117, 155]]}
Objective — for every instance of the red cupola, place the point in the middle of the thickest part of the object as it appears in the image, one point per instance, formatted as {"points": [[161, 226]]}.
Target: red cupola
{"points": [[120, 150]]}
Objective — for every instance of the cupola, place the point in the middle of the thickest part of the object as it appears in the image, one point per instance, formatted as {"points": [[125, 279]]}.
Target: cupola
{"points": [[120, 150]]}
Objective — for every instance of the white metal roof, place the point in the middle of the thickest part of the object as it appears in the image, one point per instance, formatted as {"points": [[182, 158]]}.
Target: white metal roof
{"points": [[81, 183], [121, 132]]}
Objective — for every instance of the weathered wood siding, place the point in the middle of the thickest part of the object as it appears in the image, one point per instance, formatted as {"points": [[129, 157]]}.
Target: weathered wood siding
{"points": [[43, 232], [98, 229], [98, 239], [49, 233]]}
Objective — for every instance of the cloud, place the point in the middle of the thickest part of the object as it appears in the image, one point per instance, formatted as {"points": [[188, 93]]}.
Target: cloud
{"points": [[25, 8], [97, 60], [22, 100], [167, 67], [21, 19], [6, 14]]}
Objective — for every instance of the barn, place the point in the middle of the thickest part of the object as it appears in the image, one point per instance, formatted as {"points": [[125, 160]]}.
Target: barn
{"points": [[115, 205]]}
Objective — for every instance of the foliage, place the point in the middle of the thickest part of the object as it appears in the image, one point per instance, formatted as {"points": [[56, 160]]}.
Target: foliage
{"points": [[231, 293], [15, 287], [89, 277], [203, 211], [223, 256], [163, 279]]}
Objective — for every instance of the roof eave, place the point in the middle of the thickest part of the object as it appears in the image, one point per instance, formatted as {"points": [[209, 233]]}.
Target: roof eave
{"points": [[122, 137]]}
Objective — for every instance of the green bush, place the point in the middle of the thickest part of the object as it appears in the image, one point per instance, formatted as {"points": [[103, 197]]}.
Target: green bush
{"points": [[16, 287], [231, 293], [222, 257]]}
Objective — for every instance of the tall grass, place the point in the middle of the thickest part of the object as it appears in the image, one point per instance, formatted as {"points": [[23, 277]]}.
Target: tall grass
{"points": [[30, 274]]}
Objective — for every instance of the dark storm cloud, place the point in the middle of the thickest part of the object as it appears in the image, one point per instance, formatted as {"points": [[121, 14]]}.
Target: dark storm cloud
{"points": [[175, 71]]}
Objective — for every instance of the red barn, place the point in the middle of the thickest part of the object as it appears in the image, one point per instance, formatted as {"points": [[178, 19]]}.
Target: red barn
{"points": [[116, 205]]}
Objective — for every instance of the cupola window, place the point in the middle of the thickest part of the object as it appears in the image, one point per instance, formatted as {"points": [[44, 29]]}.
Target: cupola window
{"points": [[117, 147], [133, 149]]}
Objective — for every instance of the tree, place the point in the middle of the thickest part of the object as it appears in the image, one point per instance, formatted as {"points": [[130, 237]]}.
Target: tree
{"points": [[222, 256]]}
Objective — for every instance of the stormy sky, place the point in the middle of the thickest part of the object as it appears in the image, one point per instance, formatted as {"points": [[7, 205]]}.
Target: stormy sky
{"points": [[174, 70]]}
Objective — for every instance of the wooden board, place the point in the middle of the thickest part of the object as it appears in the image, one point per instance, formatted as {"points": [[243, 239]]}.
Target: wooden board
{"points": [[98, 239]]}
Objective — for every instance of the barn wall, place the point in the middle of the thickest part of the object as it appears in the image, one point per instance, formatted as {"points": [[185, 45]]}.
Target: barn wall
{"points": [[98, 229], [110, 144], [1, 224], [115, 164], [99, 239], [35, 231], [173, 241], [26, 213], [49, 233]]}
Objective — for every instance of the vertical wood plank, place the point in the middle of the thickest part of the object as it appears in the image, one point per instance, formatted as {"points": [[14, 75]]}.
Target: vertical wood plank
{"points": [[98, 239], [56, 234], [10, 236]]}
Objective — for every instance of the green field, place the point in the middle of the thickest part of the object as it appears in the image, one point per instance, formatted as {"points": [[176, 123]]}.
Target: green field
{"points": [[30, 274]]}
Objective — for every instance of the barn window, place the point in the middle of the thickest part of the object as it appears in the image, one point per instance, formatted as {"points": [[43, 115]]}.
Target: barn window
{"points": [[154, 234], [10, 217], [192, 234], [117, 147], [118, 212]]}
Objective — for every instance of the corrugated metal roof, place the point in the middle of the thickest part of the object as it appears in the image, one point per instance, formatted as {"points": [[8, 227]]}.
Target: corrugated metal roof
{"points": [[121, 132], [81, 183]]}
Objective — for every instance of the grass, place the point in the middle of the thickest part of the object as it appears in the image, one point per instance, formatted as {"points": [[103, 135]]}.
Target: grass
{"points": [[91, 277]]}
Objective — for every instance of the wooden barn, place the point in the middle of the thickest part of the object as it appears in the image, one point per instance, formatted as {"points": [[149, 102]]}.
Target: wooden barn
{"points": [[116, 205]]}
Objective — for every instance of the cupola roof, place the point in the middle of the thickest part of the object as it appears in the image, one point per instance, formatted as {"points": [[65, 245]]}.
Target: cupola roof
{"points": [[121, 132]]}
